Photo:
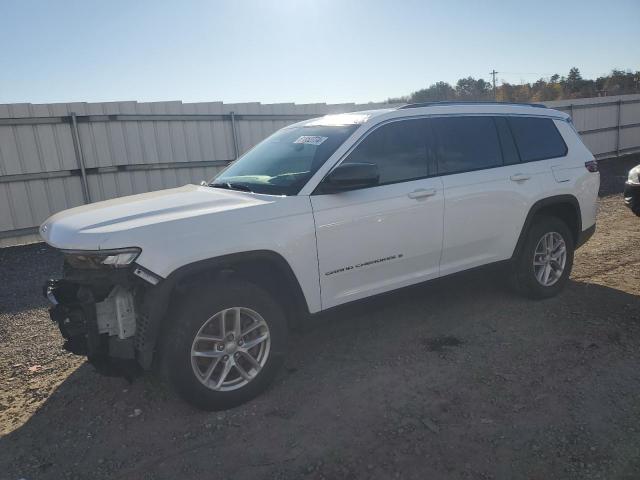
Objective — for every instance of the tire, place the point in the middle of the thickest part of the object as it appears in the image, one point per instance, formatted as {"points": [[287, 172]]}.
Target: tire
{"points": [[202, 313], [525, 275]]}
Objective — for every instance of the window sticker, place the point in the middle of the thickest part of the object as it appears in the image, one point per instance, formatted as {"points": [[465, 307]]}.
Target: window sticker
{"points": [[310, 139]]}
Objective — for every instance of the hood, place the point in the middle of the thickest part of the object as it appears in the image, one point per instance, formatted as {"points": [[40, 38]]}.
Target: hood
{"points": [[91, 227]]}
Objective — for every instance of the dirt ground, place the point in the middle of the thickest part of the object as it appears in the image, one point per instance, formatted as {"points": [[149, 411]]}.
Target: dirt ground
{"points": [[455, 379]]}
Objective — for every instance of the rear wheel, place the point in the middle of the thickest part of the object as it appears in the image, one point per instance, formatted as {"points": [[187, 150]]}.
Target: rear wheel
{"points": [[544, 263], [226, 345]]}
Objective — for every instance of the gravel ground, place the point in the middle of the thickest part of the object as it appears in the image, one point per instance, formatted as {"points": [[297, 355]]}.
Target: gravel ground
{"points": [[454, 379]]}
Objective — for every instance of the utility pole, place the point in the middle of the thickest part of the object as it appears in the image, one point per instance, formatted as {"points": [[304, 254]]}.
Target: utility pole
{"points": [[493, 74]]}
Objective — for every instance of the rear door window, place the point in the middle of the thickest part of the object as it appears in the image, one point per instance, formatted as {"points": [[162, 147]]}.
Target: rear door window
{"points": [[466, 143], [537, 138]]}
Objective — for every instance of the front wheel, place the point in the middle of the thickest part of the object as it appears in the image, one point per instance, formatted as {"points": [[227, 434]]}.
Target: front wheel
{"points": [[543, 266], [226, 345]]}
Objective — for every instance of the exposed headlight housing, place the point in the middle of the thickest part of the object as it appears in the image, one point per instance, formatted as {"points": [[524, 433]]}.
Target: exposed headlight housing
{"points": [[634, 175], [118, 258]]}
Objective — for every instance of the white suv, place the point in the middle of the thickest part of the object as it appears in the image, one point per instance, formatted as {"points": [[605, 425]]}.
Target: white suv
{"points": [[207, 280]]}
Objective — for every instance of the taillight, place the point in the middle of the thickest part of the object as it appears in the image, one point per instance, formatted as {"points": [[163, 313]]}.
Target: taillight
{"points": [[591, 165]]}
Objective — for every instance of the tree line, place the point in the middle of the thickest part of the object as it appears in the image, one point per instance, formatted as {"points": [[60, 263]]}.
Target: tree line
{"points": [[555, 87]]}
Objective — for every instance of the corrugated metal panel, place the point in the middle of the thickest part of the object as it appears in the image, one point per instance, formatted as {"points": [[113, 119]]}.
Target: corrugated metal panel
{"points": [[630, 113], [600, 142], [122, 156], [606, 124], [630, 138]]}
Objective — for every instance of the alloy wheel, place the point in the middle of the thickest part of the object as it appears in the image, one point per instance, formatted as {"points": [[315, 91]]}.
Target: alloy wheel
{"points": [[230, 349], [549, 259]]}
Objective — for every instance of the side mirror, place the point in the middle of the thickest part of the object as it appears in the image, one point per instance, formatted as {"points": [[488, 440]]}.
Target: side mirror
{"points": [[351, 176]]}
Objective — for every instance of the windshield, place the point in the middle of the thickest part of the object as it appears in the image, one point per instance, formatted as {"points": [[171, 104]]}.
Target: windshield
{"points": [[284, 162]]}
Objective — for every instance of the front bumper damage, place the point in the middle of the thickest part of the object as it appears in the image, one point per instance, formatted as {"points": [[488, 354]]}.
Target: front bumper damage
{"points": [[111, 316]]}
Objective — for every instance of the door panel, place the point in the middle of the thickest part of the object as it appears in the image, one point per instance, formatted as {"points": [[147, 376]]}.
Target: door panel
{"points": [[485, 211], [378, 239], [487, 201]]}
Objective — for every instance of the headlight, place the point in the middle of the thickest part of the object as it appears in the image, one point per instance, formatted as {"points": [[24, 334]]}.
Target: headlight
{"points": [[634, 175], [118, 258]]}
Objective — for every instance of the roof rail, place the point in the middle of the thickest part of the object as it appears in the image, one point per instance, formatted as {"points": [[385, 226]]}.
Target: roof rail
{"points": [[435, 104]]}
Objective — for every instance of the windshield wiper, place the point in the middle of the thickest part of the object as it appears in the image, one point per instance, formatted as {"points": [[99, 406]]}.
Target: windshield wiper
{"points": [[231, 186]]}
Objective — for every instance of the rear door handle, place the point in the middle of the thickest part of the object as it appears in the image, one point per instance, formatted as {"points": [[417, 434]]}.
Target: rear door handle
{"points": [[520, 177], [422, 193]]}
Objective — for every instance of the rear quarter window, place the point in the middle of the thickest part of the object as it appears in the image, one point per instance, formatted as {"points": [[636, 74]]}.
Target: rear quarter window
{"points": [[537, 138]]}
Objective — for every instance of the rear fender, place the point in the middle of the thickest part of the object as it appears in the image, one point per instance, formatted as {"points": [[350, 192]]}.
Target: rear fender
{"points": [[545, 203]]}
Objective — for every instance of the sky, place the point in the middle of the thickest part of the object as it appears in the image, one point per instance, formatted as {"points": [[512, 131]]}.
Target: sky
{"points": [[302, 51]]}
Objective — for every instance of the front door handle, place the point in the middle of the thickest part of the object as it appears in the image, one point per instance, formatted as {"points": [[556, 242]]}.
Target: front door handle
{"points": [[422, 193], [520, 177]]}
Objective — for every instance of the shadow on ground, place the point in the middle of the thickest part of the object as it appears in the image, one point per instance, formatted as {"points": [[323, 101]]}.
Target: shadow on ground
{"points": [[455, 379]]}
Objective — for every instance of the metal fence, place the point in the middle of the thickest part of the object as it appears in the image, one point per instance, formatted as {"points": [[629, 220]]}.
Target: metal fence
{"points": [[609, 126], [58, 156]]}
